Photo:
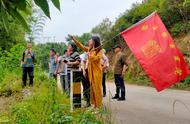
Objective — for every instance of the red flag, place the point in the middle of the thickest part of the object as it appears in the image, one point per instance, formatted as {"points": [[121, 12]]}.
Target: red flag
{"points": [[156, 51]]}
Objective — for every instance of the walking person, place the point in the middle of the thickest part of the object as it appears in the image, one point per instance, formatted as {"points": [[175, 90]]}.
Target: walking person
{"points": [[28, 58], [105, 65], [94, 69], [120, 65], [53, 63]]}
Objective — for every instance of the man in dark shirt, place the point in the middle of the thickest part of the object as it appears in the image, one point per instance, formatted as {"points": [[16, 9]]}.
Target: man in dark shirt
{"points": [[27, 61], [120, 65]]}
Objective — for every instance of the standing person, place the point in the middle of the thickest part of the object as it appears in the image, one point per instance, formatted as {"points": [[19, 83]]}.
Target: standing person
{"points": [[120, 65], [94, 69], [105, 65], [52, 63], [73, 59], [85, 81], [61, 71], [27, 61]]}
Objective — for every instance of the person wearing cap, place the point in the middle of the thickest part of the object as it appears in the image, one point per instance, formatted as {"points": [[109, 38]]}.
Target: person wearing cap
{"points": [[28, 58], [94, 69], [52, 63], [120, 65]]}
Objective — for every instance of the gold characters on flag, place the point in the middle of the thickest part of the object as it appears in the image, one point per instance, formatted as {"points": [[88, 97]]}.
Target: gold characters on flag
{"points": [[144, 27]]}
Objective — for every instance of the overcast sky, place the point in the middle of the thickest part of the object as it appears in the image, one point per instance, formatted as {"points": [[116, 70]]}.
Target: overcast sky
{"points": [[80, 16]]}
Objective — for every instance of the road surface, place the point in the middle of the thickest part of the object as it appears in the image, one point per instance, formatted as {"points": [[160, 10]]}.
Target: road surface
{"points": [[144, 105]]}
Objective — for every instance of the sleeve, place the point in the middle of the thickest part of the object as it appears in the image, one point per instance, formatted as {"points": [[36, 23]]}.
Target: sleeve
{"points": [[77, 57], [124, 59], [105, 58], [23, 54], [33, 56], [84, 48], [96, 57]]}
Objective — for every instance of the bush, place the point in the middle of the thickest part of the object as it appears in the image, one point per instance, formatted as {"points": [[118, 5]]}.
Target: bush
{"points": [[180, 28]]}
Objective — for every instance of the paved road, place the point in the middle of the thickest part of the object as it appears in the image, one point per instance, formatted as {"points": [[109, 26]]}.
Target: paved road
{"points": [[146, 106]]}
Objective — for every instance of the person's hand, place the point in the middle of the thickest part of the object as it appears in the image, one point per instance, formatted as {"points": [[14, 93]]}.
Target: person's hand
{"points": [[84, 73], [30, 50], [103, 68], [55, 73], [88, 54], [57, 56], [69, 63], [123, 74], [72, 37]]}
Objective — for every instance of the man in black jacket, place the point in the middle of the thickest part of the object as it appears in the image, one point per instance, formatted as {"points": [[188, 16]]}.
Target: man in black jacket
{"points": [[28, 59]]}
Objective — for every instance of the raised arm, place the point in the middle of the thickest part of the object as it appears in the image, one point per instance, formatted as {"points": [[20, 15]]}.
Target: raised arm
{"points": [[81, 46]]}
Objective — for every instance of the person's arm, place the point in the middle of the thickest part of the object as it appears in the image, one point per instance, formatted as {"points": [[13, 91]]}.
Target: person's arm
{"points": [[73, 63], [125, 67], [84, 48], [84, 68], [124, 70], [49, 64], [22, 60], [32, 55], [105, 60], [57, 58]]}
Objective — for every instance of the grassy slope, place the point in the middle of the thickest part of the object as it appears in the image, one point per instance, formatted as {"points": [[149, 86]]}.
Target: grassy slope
{"points": [[42, 103]]}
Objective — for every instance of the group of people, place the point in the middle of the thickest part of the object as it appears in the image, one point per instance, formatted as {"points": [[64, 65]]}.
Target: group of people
{"points": [[93, 63]]}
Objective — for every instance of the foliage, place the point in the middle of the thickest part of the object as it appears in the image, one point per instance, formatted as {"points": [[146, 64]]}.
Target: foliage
{"points": [[41, 103], [37, 23], [180, 28], [19, 9], [84, 38], [175, 15], [42, 53]]}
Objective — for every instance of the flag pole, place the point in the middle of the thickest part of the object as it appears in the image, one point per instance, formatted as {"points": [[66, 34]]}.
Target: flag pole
{"points": [[140, 22]]}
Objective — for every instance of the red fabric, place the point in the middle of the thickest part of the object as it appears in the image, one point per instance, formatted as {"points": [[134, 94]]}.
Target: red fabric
{"points": [[156, 51]]}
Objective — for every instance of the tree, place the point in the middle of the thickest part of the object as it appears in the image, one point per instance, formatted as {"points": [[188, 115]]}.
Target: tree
{"points": [[103, 29], [42, 51], [19, 9]]}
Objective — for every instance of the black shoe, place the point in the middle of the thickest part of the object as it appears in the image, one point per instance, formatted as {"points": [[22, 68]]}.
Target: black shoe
{"points": [[115, 97], [23, 86], [121, 99]]}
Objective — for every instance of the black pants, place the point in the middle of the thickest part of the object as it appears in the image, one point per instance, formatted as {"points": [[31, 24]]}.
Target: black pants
{"points": [[27, 71], [86, 88], [120, 86], [104, 83]]}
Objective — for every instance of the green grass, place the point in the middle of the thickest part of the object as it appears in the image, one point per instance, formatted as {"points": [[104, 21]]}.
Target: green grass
{"points": [[41, 103]]}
